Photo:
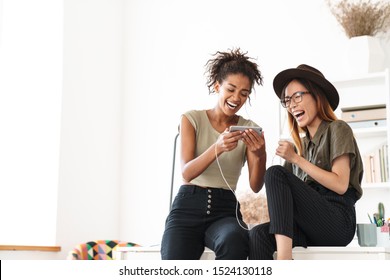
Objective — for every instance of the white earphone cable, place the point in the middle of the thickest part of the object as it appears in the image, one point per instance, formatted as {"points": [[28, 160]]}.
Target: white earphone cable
{"points": [[227, 184]]}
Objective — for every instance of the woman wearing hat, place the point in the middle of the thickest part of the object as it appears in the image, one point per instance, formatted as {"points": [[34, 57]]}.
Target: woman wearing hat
{"points": [[311, 199]]}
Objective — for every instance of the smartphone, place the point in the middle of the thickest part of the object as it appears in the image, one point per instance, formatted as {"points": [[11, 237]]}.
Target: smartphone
{"points": [[242, 128]]}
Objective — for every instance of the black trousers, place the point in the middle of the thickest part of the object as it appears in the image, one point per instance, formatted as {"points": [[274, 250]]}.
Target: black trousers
{"points": [[309, 214], [204, 217]]}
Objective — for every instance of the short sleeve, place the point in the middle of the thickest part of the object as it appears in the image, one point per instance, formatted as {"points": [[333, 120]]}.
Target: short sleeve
{"points": [[342, 140]]}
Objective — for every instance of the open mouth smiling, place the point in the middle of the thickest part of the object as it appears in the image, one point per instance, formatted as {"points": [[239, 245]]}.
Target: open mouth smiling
{"points": [[231, 105], [298, 114]]}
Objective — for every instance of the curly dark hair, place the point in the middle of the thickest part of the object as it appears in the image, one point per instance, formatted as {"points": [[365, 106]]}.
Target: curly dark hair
{"points": [[232, 62]]}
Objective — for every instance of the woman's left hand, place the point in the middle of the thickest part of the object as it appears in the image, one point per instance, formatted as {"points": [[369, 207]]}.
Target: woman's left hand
{"points": [[254, 142], [256, 157]]}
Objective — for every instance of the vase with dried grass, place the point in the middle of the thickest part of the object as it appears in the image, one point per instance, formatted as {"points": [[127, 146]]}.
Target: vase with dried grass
{"points": [[363, 21]]}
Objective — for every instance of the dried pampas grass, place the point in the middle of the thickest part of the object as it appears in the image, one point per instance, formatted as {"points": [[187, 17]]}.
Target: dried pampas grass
{"points": [[253, 208], [359, 18]]}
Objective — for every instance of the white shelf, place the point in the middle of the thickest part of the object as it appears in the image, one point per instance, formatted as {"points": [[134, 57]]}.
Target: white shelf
{"points": [[356, 79], [376, 186], [367, 132], [363, 90], [370, 131]]}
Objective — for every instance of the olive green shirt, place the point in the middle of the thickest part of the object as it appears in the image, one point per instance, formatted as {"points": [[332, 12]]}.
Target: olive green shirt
{"points": [[231, 162], [331, 140]]}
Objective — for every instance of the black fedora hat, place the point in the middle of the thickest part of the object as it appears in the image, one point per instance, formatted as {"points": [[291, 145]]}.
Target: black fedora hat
{"points": [[307, 72]]}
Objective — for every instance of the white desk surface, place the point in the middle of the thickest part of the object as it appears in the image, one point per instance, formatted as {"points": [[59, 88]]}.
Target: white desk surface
{"points": [[150, 253], [299, 253]]}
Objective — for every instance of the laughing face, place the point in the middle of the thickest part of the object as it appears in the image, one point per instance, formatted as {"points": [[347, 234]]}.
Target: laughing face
{"points": [[302, 106], [233, 93]]}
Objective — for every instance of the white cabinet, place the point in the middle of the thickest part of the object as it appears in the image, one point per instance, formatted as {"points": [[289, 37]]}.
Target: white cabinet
{"points": [[370, 89]]}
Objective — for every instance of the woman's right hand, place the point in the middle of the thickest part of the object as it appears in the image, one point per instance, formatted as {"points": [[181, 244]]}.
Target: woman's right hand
{"points": [[286, 151], [228, 141]]}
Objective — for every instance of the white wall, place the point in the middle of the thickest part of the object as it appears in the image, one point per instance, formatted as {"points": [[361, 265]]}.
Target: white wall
{"points": [[90, 161], [31, 48], [132, 67]]}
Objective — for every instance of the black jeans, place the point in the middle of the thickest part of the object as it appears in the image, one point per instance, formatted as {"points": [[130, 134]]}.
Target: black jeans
{"points": [[309, 214], [204, 217]]}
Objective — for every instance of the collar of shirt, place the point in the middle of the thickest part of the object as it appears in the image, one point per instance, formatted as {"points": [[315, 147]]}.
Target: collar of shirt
{"points": [[320, 131]]}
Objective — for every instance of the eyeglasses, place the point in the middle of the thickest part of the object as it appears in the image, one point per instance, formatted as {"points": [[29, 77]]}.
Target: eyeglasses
{"points": [[297, 97]]}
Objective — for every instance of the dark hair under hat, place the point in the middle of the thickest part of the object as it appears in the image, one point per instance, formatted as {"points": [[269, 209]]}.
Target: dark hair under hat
{"points": [[307, 72]]}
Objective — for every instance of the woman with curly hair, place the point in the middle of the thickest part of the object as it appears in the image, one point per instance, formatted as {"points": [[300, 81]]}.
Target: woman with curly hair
{"points": [[205, 211]]}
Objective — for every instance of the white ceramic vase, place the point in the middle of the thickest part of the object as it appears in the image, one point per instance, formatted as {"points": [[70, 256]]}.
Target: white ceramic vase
{"points": [[365, 55]]}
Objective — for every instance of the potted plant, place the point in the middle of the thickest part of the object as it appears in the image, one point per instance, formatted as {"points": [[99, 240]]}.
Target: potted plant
{"points": [[363, 22]]}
